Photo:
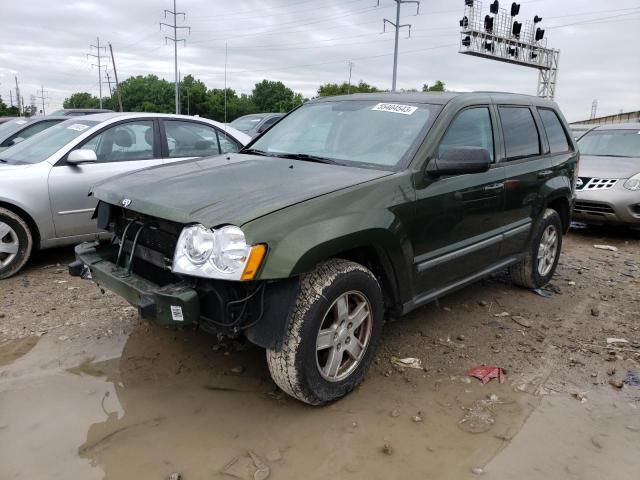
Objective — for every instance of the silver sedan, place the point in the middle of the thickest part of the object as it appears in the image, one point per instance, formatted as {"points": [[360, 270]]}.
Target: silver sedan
{"points": [[608, 185], [45, 180]]}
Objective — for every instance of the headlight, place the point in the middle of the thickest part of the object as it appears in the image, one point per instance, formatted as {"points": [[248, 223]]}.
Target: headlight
{"points": [[220, 253], [633, 183]]}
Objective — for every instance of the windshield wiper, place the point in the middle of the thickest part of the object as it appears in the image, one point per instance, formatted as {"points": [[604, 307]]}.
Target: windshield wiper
{"points": [[3, 160], [252, 151], [308, 158]]}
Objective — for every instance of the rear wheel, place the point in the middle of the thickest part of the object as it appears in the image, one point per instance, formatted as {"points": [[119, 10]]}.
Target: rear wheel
{"points": [[332, 334], [16, 243], [542, 258]]}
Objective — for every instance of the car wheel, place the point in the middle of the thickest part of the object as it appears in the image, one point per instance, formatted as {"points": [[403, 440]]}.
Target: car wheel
{"points": [[332, 335], [16, 243], [542, 258]]}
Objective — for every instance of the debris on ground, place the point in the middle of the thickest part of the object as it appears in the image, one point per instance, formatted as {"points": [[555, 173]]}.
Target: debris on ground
{"points": [[542, 292], [486, 373], [237, 370], [616, 383], [611, 340], [174, 476], [417, 418], [387, 449], [395, 413], [595, 312], [247, 467], [407, 362], [523, 322], [632, 379], [479, 417], [477, 471], [581, 396], [610, 248], [503, 314]]}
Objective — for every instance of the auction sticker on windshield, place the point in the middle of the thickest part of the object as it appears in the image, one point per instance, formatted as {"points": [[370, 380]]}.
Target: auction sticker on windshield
{"points": [[78, 127], [395, 108]]}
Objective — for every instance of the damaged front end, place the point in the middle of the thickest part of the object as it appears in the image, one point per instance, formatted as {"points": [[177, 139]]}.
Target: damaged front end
{"points": [[137, 265]]}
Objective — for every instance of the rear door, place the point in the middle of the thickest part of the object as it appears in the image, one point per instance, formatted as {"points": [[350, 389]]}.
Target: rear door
{"points": [[183, 139], [120, 148], [458, 217], [527, 168]]}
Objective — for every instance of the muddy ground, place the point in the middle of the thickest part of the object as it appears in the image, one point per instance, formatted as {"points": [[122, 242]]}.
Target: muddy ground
{"points": [[89, 391]]}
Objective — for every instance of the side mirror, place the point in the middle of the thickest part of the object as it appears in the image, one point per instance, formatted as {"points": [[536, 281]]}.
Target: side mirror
{"points": [[460, 161], [16, 141], [76, 157]]}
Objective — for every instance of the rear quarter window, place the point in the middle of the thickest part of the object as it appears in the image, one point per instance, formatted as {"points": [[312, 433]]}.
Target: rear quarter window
{"points": [[521, 137], [555, 132]]}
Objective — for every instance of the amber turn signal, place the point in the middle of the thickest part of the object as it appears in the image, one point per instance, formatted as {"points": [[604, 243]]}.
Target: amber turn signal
{"points": [[253, 264]]}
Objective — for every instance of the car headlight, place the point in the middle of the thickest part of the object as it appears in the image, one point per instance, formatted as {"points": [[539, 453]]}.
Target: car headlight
{"points": [[633, 183], [220, 253]]}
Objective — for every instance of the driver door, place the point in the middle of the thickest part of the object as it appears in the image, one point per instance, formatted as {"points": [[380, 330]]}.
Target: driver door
{"points": [[120, 148]]}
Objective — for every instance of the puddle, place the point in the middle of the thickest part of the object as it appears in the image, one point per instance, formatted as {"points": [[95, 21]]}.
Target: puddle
{"points": [[11, 350], [162, 401]]}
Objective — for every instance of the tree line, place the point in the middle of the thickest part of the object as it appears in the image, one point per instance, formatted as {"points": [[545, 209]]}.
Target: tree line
{"points": [[153, 94]]}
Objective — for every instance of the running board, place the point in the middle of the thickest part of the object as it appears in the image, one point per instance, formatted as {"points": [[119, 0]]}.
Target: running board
{"points": [[429, 297]]}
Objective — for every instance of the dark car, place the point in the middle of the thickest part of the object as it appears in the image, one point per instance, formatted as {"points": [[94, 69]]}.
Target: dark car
{"points": [[348, 209], [19, 129], [257, 123]]}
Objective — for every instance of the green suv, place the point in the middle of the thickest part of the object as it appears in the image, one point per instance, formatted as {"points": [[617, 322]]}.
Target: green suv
{"points": [[347, 209]]}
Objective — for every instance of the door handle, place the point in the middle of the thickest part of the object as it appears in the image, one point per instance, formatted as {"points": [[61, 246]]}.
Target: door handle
{"points": [[493, 187], [545, 173]]}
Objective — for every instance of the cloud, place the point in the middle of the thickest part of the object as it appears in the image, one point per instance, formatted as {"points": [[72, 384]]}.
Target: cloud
{"points": [[308, 42]]}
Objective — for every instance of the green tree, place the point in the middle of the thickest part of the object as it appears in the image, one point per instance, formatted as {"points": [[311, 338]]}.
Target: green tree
{"points": [[81, 100], [147, 94], [329, 89], [193, 97], [436, 87], [3, 108], [271, 96]]}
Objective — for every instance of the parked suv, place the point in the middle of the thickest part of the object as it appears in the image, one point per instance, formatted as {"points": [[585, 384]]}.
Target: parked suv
{"points": [[347, 209]]}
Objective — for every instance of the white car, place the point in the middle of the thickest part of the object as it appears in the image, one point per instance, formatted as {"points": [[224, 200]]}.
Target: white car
{"points": [[45, 180]]}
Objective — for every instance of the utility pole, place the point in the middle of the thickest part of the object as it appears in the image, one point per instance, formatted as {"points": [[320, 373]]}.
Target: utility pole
{"points": [[18, 97], [175, 41], [42, 97], [349, 84], [11, 97], [115, 75], [99, 57], [397, 27]]}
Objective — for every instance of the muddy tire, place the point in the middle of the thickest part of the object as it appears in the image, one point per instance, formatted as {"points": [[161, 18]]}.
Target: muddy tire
{"points": [[332, 335], [541, 261], [16, 243]]}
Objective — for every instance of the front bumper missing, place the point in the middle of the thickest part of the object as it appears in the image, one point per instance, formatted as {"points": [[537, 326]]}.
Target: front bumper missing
{"points": [[174, 304]]}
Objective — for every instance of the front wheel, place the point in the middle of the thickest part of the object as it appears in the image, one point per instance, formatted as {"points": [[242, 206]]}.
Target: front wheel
{"points": [[332, 335], [537, 268], [16, 243]]}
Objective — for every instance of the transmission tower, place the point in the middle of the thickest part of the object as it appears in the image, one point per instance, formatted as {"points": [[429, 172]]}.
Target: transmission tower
{"points": [[594, 109], [397, 26], [175, 41], [42, 97], [18, 97], [99, 58]]}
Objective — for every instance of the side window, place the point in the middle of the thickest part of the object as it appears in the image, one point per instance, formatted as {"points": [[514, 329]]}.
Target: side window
{"points": [[471, 128], [190, 139], [29, 131], [521, 138], [227, 144], [555, 132], [123, 142], [267, 124]]}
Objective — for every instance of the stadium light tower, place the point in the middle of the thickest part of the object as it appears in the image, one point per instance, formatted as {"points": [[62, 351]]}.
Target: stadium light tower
{"points": [[499, 36]]}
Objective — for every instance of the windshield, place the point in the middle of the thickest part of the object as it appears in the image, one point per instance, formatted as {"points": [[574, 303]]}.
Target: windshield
{"points": [[611, 143], [9, 127], [247, 123], [44, 144], [356, 132]]}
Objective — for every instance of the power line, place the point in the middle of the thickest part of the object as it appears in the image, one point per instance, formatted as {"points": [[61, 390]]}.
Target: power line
{"points": [[99, 58], [175, 41], [397, 27]]}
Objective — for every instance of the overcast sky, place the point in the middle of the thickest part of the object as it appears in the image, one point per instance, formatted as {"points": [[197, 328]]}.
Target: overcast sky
{"points": [[308, 42]]}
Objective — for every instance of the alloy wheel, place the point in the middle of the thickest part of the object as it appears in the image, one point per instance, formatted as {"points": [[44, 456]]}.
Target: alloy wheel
{"points": [[547, 250], [9, 244], [344, 335]]}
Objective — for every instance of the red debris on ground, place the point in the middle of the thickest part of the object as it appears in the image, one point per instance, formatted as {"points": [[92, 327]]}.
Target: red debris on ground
{"points": [[486, 373]]}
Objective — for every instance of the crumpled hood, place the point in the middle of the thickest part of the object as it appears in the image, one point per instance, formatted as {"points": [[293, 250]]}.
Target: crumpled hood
{"points": [[231, 189], [608, 167]]}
